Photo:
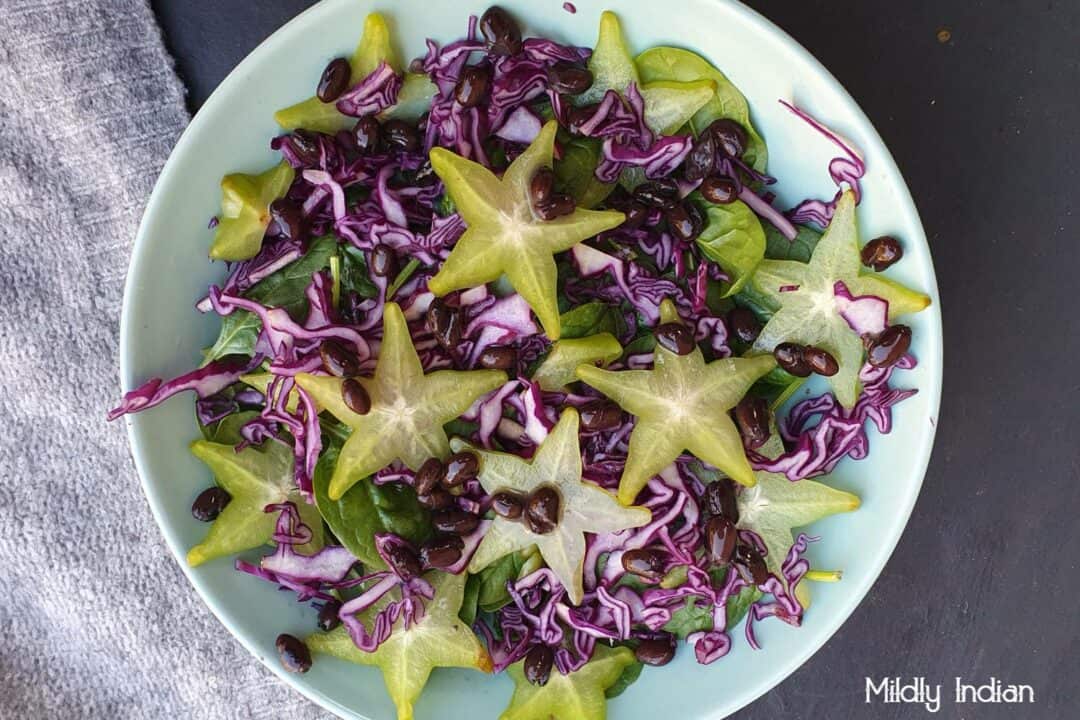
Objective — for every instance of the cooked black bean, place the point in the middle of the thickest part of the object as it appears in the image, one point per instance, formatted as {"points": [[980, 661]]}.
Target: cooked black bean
{"points": [[541, 185], [355, 396], [305, 145], [744, 324], [294, 654], [403, 561], [334, 80], [288, 217], [429, 476], [442, 552], [338, 359], [655, 651], [444, 322], [501, 32], [719, 190], [662, 193], [383, 261], [702, 158], [719, 499], [881, 252], [675, 337], [472, 85], [538, 664], [507, 504], [644, 562], [889, 346], [542, 510], [729, 135], [460, 468], [498, 357], [752, 416], [578, 116], [636, 214], [347, 142], [454, 521], [367, 132], [685, 220], [556, 206], [425, 175], [210, 503], [750, 564], [437, 499], [821, 361], [599, 415], [792, 358], [401, 135], [720, 539], [568, 78], [328, 615]]}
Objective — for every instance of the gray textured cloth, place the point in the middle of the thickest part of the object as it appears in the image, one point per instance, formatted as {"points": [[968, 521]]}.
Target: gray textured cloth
{"points": [[96, 619]]}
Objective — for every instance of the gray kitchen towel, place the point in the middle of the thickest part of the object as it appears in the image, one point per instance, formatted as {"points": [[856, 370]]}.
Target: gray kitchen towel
{"points": [[96, 618]]}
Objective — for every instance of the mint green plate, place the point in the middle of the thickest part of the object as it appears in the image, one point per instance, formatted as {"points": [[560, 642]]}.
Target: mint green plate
{"points": [[161, 333]]}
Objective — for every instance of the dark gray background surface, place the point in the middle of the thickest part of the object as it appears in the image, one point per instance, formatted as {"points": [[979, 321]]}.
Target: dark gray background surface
{"points": [[986, 129]]}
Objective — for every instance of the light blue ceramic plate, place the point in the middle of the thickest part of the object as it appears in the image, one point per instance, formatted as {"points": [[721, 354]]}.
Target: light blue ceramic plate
{"points": [[161, 334]]}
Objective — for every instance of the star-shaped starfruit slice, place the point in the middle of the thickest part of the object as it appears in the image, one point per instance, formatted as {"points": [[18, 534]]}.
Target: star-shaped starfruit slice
{"points": [[576, 696], [254, 478], [408, 408], [559, 367], [808, 305], [681, 404], [407, 657], [583, 506], [504, 235], [245, 211], [669, 103]]}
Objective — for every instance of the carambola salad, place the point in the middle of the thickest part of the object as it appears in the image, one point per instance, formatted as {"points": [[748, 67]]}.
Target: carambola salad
{"points": [[503, 339]]}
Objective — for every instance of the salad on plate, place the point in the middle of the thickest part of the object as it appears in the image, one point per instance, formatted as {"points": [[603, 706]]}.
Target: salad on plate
{"points": [[510, 339]]}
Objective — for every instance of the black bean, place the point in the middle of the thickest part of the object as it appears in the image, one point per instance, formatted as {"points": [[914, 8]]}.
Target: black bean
{"points": [[662, 193], [210, 503], [645, 562], [346, 140], [542, 510], [289, 218], [750, 564], [338, 360], [597, 415], [498, 357], [792, 358], [719, 190], [889, 346], [383, 261], [429, 476], [328, 615], [752, 416], [556, 206], [880, 253], [744, 324], [685, 221], [460, 468], [729, 135], [403, 561], [472, 85], [578, 116], [821, 361], [444, 322], [541, 185], [442, 552], [636, 215], [719, 499], [720, 539], [355, 396], [702, 158], [675, 337], [437, 499], [401, 135], [568, 78], [507, 504], [367, 132], [454, 521], [501, 32], [294, 654], [538, 664], [425, 175], [655, 651], [305, 145], [334, 80]]}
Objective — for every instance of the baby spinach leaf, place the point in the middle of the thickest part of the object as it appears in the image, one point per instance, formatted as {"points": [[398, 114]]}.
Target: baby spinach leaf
{"points": [[239, 331], [739, 605], [460, 428], [227, 430], [354, 273], [690, 618], [592, 318], [444, 206], [575, 172], [778, 247], [285, 288], [492, 593], [470, 602], [629, 676], [366, 509], [734, 239]]}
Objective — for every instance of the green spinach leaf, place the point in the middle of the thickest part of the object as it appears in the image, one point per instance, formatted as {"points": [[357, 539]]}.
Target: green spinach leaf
{"points": [[470, 602], [492, 594], [285, 288], [575, 172], [354, 274], [592, 318], [629, 676], [690, 618], [778, 247], [227, 430], [239, 331], [738, 606], [734, 239]]}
